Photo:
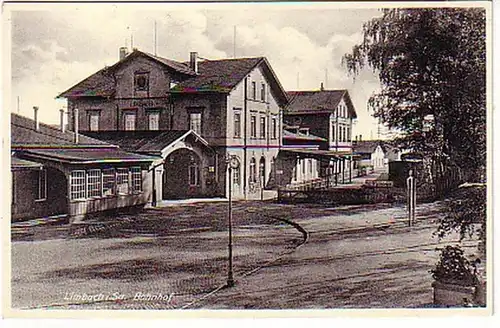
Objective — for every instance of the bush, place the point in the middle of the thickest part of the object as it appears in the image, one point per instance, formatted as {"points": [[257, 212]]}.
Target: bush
{"points": [[453, 267]]}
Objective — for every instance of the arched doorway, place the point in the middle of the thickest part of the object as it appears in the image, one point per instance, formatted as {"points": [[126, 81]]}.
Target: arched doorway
{"points": [[182, 175]]}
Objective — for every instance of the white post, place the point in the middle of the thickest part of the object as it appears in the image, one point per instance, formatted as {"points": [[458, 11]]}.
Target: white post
{"points": [[411, 199]]}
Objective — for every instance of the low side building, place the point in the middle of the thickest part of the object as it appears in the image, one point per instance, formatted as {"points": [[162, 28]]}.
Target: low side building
{"points": [[56, 172]]}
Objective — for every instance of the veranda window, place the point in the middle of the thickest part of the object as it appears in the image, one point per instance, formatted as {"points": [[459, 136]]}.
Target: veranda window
{"points": [[108, 182], [122, 180], [136, 179], [94, 183], [77, 185]]}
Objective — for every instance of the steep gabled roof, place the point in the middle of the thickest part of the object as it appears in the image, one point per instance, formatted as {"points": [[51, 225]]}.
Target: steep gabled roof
{"points": [[224, 74], [144, 141], [366, 147], [24, 135], [320, 101], [301, 136], [102, 83]]}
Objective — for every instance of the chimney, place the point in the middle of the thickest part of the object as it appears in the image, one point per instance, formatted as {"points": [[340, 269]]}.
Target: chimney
{"points": [[76, 125], [360, 137], [193, 61], [35, 117], [322, 88], [63, 127], [355, 138], [123, 52]]}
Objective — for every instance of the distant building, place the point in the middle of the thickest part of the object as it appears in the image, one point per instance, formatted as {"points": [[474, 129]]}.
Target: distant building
{"points": [[328, 115], [215, 108], [57, 172], [374, 154]]}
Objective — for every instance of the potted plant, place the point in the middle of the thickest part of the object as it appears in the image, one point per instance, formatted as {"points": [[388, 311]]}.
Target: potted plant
{"points": [[455, 278]]}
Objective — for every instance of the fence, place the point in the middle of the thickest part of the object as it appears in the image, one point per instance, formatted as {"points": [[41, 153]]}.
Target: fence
{"points": [[339, 195]]}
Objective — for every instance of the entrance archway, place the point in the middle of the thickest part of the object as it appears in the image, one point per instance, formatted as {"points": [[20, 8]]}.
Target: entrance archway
{"points": [[182, 175]]}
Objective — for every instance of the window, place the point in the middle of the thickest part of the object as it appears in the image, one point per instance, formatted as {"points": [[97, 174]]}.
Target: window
{"points": [[122, 181], [348, 134], [77, 185], [108, 182], [236, 176], [253, 126], [154, 121], [254, 90], [94, 183], [136, 179], [274, 128], [141, 81], [94, 121], [303, 164], [333, 132], [42, 184], [253, 172], [193, 174], [195, 122], [262, 170], [129, 121], [262, 127], [237, 125], [310, 162], [263, 92], [344, 139]]}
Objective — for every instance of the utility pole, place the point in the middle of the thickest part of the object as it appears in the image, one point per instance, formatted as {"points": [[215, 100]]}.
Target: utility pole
{"points": [[155, 40], [234, 42]]}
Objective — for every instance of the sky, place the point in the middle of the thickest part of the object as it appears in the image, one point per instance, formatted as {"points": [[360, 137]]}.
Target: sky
{"points": [[55, 47]]}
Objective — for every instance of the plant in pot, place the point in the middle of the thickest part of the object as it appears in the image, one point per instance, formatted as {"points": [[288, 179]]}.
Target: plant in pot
{"points": [[455, 278], [457, 281]]}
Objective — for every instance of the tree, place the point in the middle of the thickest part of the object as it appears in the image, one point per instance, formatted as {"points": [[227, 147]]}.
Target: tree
{"points": [[432, 67]]}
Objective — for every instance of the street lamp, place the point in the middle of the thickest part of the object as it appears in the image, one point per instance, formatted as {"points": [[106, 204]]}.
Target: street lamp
{"points": [[231, 163]]}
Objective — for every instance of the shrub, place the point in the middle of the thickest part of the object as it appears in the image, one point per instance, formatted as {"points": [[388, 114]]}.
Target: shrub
{"points": [[453, 267]]}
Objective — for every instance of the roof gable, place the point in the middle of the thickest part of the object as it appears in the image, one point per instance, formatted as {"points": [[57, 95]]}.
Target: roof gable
{"points": [[367, 146], [145, 141], [307, 102], [102, 83], [225, 74]]}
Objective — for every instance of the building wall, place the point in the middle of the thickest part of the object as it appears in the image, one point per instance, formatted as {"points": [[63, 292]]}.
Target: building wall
{"points": [[318, 124], [212, 108], [247, 147], [378, 158], [25, 193], [84, 208], [248, 188], [128, 100], [337, 126]]}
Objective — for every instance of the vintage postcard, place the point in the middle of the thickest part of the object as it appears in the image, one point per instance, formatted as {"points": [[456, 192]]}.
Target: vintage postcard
{"points": [[327, 158]]}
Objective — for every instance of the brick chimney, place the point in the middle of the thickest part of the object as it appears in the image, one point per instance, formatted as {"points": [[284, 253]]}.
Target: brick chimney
{"points": [[35, 117], [193, 61], [61, 119], [76, 124], [123, 52], [322, 88]]}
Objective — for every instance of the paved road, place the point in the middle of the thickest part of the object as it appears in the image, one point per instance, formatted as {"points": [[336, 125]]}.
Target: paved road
{"points": [[347, 263], [356, 256]]}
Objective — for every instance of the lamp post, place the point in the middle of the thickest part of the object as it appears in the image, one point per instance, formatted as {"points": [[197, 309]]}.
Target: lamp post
{"points": [[232, 163]]}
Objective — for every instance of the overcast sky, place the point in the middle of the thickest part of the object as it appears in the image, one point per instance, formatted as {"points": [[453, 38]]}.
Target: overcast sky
{"points": [[54, 49]]}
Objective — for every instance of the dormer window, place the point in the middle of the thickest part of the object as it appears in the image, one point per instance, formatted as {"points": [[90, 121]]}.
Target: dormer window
{"points": [[141, 81]]}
